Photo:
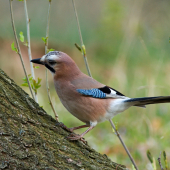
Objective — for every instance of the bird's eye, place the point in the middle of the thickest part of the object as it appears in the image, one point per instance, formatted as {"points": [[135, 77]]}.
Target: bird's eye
{"points": [[51, 62]]}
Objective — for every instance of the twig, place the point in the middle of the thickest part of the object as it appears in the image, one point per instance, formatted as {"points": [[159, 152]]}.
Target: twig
{"points": [[47, 29], [81, 40], [126, 149], [29, 45], [88, 69], [18, 47], [159, 161], [46, 71]]}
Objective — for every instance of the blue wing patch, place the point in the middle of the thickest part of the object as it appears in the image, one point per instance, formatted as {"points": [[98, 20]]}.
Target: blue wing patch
{"points": [[96, 93]]}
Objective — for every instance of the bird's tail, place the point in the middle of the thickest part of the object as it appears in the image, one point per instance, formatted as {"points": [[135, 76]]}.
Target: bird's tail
{"points": [[141, 102]]}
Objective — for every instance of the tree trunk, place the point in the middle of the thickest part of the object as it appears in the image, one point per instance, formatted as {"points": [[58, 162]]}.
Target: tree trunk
{"points": [[30, 138]]}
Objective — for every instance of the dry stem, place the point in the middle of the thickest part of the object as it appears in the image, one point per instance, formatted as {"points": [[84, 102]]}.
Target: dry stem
{"points": [[121, 140], [29, 45], [81, 40], [18, 47], [159, 161], [46, 71]]}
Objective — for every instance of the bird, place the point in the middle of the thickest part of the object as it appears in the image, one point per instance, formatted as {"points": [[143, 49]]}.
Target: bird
{"points": [[84, 97]]}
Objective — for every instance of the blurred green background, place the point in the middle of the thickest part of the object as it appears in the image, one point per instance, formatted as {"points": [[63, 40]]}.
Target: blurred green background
{"points": [[128, 49]]}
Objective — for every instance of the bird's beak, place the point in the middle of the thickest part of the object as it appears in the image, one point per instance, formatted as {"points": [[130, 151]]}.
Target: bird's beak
{"points": [[37, 61]]}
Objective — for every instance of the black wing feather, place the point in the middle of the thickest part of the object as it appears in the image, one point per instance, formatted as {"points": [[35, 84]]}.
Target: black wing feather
{"points": [[106, 89]]}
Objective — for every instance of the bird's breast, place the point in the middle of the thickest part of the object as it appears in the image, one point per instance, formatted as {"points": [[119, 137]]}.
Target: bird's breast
{"points": [[86, 109]]}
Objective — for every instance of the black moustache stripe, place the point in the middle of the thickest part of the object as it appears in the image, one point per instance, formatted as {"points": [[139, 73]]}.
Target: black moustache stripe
{"points": [[50, 68]]}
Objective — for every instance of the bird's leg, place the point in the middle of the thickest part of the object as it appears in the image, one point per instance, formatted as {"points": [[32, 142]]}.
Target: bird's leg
{"points": [[77, 137], [71, 129], [78, 127]]}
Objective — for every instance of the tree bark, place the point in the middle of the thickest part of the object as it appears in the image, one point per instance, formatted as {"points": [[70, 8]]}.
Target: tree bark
{"points": [[30, 138]]}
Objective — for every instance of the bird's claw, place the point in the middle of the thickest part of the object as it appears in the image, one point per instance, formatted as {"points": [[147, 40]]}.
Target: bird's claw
{"points": [[73, 136]]}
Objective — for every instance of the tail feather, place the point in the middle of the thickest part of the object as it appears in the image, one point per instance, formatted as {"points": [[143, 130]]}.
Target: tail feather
{"points": [[149, 100]]}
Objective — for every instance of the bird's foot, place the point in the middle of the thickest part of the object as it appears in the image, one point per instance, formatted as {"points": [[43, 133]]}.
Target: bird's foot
{"points": [[73, 136], [64, 127]]}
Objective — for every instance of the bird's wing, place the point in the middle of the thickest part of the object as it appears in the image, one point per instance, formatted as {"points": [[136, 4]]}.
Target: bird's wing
{"points": [[103, 92], [88, 86], [85, 82]]}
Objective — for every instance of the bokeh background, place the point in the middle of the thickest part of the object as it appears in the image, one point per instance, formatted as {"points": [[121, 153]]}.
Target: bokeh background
{"points": [[128, 48]]}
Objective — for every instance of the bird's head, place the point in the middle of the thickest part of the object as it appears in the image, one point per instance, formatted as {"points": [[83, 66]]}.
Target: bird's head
{"points": [[57, 62]]}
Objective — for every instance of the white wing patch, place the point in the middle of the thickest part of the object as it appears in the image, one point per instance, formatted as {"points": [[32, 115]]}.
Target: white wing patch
{"points": [[113, 94]]}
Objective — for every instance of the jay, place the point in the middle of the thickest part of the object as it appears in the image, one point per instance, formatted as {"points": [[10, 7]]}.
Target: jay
{"points": [[84, 97]]}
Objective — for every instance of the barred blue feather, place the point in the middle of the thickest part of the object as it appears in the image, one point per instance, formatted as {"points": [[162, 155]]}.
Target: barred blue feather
{"points": [[96, 93]]}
